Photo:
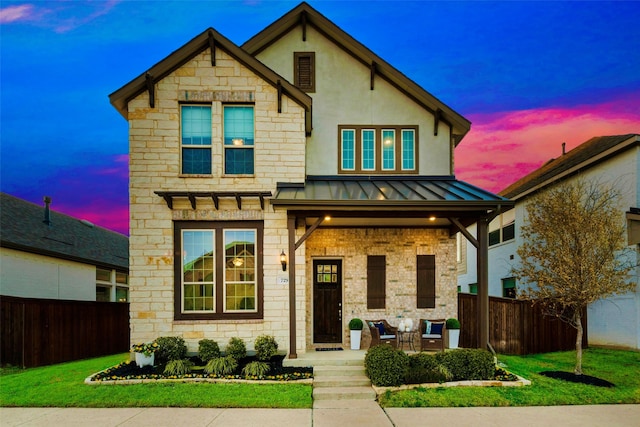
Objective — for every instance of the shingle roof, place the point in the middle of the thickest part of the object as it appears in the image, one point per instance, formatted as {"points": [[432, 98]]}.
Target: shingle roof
{"points": [[372, 192], [22, 228], [580, 158]]}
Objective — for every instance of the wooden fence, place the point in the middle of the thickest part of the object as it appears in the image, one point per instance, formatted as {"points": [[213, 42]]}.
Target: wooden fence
{"points": [[37, 332], [516, 327]]}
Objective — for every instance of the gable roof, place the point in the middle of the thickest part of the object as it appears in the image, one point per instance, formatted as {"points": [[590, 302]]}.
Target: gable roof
{"points": [[306, 15], [23, 229], [121, 97], [584, 156]]}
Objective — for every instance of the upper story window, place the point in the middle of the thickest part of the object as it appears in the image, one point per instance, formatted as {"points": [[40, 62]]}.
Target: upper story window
{"points": [[378, 149], [502, 228], [238, 139], [304, 70], [196, 139]]}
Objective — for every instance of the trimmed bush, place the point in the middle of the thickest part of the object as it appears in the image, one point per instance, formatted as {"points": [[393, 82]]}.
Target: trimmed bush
{"points": [[468, 364], [256, 369], [236, 348], [170, 348], [355, 324], [385, 365], [424, 368], [453, 323], [266, 347], [208, 349], [178, 367], [221, 366]]}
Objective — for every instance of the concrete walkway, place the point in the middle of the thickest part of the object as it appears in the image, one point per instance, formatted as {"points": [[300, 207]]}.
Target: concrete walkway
{"points": [[351, 414]]}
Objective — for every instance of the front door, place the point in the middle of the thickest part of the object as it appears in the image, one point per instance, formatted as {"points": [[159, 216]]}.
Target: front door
{"points": [[327, 301]]}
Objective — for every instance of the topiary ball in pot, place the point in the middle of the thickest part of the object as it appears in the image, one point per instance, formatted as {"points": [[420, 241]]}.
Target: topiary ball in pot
{"points": [[453, 323], [355, 324]]}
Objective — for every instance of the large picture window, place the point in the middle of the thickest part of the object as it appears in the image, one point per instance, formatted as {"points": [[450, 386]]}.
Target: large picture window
{"points": [[378, 149], [238, 139], [195, 128], [218, 270]]}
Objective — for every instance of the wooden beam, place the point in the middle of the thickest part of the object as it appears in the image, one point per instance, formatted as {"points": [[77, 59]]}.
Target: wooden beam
{"points": [[464, 231], [169, 200], [192, 199], [261, 201], [212, 47], [291, 227], [373, 73], [303, 18], [306, 235], [437, 116], [216, 200], [279, 97], [151, 89], [239, 201], [483, 282]]}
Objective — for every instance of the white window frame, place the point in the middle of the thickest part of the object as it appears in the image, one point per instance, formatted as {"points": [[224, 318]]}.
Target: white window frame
{"points": [[183, 283], [373, 131], [255, 272], [402, 157], [382, 150], [342, 148]]}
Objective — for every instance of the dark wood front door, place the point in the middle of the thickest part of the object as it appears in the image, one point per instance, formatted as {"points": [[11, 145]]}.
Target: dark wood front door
{"points": [[327, 301]]}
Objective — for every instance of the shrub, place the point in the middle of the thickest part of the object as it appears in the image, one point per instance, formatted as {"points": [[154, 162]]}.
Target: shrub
{"points": [[221, 366], [256, 369], [236, 348], [453, 324], [385, 365], [355, 324], [468, 364], [266, 347], [178, 367], [424, 368], [208, 349], [170, 348]]}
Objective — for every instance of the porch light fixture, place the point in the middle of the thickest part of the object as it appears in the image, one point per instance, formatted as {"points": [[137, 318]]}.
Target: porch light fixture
{"points": [[283, 260], [432, 218]]}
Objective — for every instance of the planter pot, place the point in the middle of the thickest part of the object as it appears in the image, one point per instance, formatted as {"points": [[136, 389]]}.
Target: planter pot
{"points": [[142, 360], [454, 337], [355, 339]]}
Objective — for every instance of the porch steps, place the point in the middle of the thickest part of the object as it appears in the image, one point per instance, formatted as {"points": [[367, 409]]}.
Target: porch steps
{"points": [[342, 382]]}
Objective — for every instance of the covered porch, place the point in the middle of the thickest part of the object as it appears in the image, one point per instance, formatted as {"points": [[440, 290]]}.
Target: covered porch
{"points": [[412, 205]]}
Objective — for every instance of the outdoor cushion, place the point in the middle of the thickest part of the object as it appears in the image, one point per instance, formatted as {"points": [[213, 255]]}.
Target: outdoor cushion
{"points": [[431, 336], [436, 328], [380, 327], [387, 337], [428, 327]]}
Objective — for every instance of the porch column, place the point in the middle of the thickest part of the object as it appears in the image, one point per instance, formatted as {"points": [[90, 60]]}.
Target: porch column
{"points": [[483, 282], [291, 227]]}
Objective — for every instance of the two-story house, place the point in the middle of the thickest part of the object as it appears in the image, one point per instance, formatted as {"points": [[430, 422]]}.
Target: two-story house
{"points": [[288, 185]]}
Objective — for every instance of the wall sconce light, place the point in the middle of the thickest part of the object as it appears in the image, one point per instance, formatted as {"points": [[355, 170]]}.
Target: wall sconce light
{"points": [[283, 261]]}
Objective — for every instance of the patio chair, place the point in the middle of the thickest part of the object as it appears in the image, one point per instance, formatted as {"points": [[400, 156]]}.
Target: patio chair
{"points": [[382, 333], [432, 334]]}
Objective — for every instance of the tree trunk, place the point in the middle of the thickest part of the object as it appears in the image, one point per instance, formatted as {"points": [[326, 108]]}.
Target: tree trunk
{"points": [[578, 324]]}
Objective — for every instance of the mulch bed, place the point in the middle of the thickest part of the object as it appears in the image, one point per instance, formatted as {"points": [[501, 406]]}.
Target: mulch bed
{"points": [[129, 371], [581, 379]]}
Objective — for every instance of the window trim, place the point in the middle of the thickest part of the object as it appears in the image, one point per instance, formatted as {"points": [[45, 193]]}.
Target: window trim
{"points": [[219, 227], [226, 147], [362, 149], [378, 151], [183, 146], [342, 148]]}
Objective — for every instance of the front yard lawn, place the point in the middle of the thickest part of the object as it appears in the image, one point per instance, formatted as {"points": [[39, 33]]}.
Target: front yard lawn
{"points": [[616, 366], [63, 386]]}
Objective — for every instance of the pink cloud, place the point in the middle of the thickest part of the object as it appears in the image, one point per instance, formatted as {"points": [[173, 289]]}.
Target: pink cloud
{"points": [[503, 147], [23, 12]]}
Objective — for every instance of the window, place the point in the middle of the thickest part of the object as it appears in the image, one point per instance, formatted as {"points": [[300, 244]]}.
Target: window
{"points": [[218, 273], [238, 139], [348, 149], [382, 149], [473, 288], [112, 285], [509, 287], [502, 228], [196, 139], [304, 70], [426, 281], [376, 279]]}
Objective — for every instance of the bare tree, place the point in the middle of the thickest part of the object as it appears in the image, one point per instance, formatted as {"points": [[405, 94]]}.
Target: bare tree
{"points": [[574, 251]]}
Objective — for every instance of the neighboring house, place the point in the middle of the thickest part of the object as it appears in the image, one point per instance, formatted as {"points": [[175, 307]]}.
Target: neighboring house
{"points": [[45, 254], [288, 185], [613, 160]]}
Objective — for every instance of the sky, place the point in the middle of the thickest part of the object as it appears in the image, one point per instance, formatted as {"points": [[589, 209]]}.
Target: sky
{"points": [[528, 75]]}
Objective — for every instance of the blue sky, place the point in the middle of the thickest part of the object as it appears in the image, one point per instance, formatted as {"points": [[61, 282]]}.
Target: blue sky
{"points": [[529, 75]]}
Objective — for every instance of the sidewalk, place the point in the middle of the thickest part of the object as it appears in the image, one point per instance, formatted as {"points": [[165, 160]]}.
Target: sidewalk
{"points": [[350, 413]]}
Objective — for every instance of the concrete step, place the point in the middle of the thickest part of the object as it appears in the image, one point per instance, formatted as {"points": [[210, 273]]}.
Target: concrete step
{"points": [[333, 371], [341, 381], [343, 393]]}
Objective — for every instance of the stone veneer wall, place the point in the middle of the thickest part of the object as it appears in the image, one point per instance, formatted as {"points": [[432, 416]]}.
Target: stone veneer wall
{"points": [[401, 246], [154, 137]]}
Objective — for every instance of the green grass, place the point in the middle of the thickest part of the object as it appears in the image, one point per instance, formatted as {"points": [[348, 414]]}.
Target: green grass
{"points": [[63, 386], [618, 367]]}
